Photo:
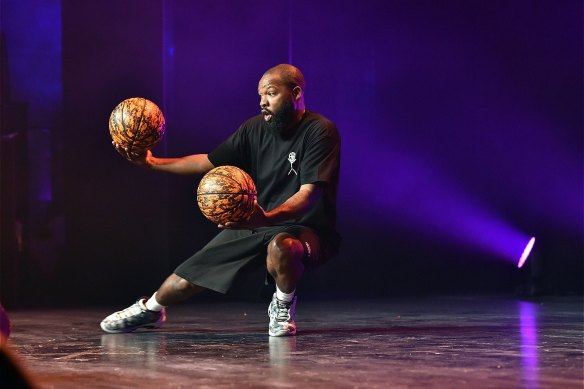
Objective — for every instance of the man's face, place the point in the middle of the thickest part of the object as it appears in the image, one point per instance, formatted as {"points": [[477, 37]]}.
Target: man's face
{"points": [[276, 102]]}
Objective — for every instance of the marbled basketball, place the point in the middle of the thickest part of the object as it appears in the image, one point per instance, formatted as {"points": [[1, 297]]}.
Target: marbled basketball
{"points": [[137, 123], [226, 194]]}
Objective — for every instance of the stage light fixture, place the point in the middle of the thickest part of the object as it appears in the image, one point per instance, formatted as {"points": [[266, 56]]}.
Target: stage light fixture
{"points": [[526, 252]]}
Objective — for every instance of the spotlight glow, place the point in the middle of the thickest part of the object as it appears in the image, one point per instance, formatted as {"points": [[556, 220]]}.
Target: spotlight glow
{"points": [[526, 252]]}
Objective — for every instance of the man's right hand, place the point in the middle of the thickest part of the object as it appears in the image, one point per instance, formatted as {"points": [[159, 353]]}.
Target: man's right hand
{"points": [[137, 156]]}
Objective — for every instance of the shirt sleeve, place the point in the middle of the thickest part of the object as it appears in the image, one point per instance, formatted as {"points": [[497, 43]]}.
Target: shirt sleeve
{"points": [[321, 161], [231, 151]]}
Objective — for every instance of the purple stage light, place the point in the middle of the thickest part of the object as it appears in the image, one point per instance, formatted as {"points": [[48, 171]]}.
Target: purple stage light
{"points": [[526, 252]]}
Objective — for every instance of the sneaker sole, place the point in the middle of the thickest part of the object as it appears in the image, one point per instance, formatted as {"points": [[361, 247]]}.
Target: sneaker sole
{"points": [[132, 329]]}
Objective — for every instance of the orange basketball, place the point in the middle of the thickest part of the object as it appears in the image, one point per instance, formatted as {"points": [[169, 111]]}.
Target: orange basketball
{"points": [[226, 194], [137, 123]]}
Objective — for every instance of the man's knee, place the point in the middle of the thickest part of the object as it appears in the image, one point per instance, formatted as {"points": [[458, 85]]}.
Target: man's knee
{"points": [[179, 284], [284, 247]]}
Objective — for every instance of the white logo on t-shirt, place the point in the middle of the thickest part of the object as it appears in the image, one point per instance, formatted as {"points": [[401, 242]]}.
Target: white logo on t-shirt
{"points": [[292, 159]]}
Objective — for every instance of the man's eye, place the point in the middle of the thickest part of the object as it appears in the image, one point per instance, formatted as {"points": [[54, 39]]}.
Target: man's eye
{"points": [[272, 93]]}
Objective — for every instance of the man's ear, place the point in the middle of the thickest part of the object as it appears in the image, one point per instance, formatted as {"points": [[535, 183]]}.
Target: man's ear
{"points": [[297, 92]]}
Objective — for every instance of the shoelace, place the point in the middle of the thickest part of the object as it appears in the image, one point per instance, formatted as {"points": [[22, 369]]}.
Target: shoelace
{"points": [[130, 311], [283, 310]]}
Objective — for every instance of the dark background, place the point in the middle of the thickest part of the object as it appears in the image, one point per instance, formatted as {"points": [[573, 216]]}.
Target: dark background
{"points": [[461, 125]]}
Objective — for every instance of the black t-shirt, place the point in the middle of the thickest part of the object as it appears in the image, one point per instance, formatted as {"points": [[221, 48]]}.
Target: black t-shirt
{"points": [[280, 164]]}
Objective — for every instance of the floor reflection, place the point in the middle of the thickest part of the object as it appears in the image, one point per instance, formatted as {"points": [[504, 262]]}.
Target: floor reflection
{"points": [[281, 349], [281, 354], [145, 348], [528, 313]]}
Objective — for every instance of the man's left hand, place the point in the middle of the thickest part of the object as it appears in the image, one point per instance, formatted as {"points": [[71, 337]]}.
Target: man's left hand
{"points": [[257, 219]]}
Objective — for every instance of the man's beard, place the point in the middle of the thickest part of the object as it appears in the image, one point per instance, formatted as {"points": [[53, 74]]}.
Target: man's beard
{"points": [[282, 119]]}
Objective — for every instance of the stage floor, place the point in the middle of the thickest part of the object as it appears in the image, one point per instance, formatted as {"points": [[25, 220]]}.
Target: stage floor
{"points": [[431, 342]]}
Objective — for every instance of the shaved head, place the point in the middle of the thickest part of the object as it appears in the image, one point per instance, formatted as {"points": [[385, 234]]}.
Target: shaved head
{"points": [[289, 74]]}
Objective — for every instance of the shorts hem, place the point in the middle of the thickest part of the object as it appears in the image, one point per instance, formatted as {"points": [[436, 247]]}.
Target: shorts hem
{"points": [[206, 285]]}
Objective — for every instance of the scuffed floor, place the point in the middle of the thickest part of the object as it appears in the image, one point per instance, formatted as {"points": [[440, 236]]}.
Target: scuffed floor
{"points": [[432, 342]]}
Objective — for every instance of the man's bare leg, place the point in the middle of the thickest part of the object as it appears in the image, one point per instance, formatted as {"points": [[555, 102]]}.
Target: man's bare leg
{"points": [[284, 263], [176, 289], [151, 313]]}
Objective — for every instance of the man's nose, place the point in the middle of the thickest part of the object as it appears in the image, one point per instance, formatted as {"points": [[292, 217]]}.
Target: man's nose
{"points": [[263, 102]]}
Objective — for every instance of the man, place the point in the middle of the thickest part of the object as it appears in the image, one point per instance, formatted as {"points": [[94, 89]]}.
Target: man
{"points": [[293, 155]]}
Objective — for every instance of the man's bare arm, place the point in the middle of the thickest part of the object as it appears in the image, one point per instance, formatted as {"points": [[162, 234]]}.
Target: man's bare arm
{"points": [[298, 204], [191, 164]]}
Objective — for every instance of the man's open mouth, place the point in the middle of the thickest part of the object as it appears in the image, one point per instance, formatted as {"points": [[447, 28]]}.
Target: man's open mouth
{"points": [[267, 115]]}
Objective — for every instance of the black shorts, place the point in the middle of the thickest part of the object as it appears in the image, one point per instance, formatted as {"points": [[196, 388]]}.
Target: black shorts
{"points": [[231, 252]]}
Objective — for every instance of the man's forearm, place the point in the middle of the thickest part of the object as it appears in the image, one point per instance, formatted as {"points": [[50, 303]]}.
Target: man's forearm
{"points": [[296, 205], [192, 164]]}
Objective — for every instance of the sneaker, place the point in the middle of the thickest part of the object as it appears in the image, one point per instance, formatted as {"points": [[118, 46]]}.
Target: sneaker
{"points": [[134, 317], [281, 316]]}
